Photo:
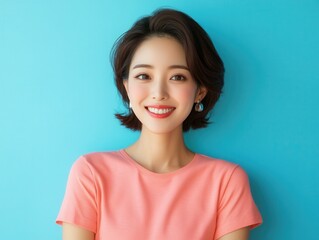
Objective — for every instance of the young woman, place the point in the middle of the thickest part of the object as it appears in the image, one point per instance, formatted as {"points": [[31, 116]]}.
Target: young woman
{"points": [[170, 76]]}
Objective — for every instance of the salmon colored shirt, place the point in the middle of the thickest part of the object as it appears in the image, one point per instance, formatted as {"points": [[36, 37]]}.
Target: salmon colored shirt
{"points": [[111, 195]]}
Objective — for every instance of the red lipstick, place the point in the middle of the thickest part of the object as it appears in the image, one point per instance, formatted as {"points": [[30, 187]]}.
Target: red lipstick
{"points": [[160, 111]]}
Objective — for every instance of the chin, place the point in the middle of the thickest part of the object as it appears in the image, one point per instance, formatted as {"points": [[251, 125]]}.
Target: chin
{"points": [[160, 129]]}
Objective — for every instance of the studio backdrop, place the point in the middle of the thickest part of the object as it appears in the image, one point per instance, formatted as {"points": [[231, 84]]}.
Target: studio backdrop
{"points": [[58, 101]]}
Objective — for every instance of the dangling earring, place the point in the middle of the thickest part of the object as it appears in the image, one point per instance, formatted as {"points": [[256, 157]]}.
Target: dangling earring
{"points": [[130, 105], [199, 107]]}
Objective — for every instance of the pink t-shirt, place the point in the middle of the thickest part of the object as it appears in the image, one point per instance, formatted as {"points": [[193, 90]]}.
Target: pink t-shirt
{"points": [[111, 195]]}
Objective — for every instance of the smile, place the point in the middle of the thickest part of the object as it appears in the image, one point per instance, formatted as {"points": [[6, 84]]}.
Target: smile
{"points": [[160, 111]]}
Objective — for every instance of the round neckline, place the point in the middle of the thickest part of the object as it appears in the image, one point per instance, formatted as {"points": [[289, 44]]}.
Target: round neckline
{"points": [[127, 157]]}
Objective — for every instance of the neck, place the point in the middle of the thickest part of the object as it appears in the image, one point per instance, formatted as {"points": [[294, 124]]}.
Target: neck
{"points": [[160, 152]]}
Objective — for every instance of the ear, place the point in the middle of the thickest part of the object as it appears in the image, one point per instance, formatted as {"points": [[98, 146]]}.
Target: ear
{"points": [[201, 93], [125, 83]]}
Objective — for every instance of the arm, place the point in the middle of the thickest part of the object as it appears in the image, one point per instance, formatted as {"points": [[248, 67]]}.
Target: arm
{"points": [[73, 232], [237, 209], [240, 234]]}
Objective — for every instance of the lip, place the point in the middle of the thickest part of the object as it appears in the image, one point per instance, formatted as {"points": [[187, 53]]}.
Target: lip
{"points": [[162, 115]]}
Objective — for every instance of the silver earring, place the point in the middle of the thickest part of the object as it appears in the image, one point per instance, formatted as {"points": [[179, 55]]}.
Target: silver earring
{"points": [[130, 105], [199, 107]]}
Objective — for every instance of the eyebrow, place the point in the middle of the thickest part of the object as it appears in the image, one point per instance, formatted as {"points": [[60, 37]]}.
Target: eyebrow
{"points": [[170, 67]]}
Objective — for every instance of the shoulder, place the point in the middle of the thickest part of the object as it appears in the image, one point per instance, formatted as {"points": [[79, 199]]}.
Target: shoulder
{"points": [[215, 164], [221, 170], [98, 161], [94, 157]]}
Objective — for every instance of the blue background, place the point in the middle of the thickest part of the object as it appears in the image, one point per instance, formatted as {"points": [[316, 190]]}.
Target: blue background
{"points": [[58, 99]]}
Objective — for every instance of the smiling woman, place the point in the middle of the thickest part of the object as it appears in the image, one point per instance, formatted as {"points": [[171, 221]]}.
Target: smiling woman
{"points": [[170, 76], [160, 86], [200, 57]]}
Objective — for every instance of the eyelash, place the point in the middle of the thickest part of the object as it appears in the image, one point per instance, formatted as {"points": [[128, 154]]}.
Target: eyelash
{"points": [[144, 76], [180, 76]]}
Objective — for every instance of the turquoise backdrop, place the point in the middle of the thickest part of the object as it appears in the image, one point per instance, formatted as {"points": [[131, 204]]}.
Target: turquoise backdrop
{"points": [[58, 99]]}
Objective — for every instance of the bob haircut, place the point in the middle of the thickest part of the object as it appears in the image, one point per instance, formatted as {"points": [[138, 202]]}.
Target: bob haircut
{"points": [[202, 59]]}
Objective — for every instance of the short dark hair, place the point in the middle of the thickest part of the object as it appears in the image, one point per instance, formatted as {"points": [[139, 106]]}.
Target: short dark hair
{"points": [[202, 59]]}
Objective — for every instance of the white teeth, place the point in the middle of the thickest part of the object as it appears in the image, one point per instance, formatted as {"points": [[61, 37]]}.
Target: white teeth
{"points": [[159, 111]]}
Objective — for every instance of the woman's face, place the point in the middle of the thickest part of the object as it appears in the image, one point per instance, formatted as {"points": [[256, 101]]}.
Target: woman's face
{"points": [[160, 86]]}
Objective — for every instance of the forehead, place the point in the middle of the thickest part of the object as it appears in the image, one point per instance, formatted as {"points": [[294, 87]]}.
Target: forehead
{"points": [[163, 50]]}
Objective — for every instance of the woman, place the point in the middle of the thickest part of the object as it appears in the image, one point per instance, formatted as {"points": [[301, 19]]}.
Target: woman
{"points": [[170, 76]]}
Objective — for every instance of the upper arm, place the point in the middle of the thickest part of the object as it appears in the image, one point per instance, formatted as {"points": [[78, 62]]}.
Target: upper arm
{"points": [[73, 232], [79, 206], [240, 234], [236, 209]]}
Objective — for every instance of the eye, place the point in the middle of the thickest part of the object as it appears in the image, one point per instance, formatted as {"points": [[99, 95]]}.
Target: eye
{"points": [[178, 77], [142, 76]]}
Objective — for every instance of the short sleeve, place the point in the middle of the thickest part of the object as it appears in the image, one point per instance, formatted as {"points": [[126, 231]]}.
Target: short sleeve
{"points": [[237, 208], [79, 203]]}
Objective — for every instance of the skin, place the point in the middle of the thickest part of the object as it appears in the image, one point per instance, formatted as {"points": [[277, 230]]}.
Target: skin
{"points": [[73, 232], [159, 76], [240, 234]]}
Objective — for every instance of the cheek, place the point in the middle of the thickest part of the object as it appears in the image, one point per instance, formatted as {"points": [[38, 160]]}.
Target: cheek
{"points": [[186, 94], [136, 92]]}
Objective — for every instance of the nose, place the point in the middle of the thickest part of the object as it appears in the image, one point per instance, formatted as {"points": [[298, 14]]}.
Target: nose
{"points": [[159, 90]]}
